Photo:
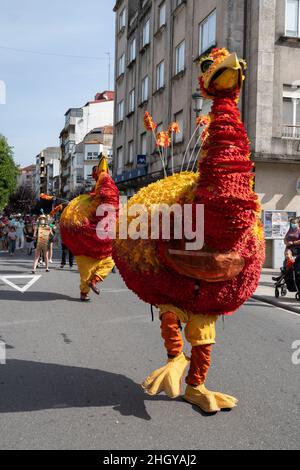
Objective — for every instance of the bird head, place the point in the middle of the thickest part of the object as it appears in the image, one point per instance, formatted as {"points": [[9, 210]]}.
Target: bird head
{"points": [[102, 167], [222, 73]]}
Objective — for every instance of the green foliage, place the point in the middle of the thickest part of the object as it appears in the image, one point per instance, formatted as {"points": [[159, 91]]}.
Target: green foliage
{"points": [[22, 200], [8, 172]]}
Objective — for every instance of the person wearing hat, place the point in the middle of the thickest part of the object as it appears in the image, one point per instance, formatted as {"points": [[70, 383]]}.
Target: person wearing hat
{"points": [[42, 235]]}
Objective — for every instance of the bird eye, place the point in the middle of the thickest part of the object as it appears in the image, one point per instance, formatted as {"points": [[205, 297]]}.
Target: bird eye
{"points": [[206, 64]]}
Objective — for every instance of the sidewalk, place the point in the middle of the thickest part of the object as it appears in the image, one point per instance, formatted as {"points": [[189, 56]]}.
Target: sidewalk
{"points": [[266, 292]]}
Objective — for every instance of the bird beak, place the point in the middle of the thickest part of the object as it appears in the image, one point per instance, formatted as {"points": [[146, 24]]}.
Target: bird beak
{"points": [[227, 76], [103, 166]]}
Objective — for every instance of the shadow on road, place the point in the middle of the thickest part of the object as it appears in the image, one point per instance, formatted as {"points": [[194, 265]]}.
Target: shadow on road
{"points": [[32, 386], [35, 296]]}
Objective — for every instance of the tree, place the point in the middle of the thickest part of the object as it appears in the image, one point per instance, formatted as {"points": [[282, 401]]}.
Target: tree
{"points": [[8, 172], [22, 200]]}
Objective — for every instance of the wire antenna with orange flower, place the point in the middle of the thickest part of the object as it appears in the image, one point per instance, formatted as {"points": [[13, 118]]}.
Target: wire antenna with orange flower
{"points": [[151, 126]]}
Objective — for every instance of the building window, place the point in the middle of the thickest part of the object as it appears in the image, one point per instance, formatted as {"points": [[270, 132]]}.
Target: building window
{"points": [[178, 2], [120, 161], [122, 19], [162, 14], [130, 152], [291, 112], [179, 119], [132, 50], [146, 33], [145, 89], [288, 112], [292, 19], [121, 111], [121, 66], [144, 143], [131, 101], [180, 58], [160, 75], [208, 32]]}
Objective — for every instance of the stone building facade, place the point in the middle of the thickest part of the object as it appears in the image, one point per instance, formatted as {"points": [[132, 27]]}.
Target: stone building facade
{"points": [[158, 46]]}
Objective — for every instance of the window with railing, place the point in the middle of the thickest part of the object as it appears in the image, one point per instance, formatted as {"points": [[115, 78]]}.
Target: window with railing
{"points": [[291, 112]]}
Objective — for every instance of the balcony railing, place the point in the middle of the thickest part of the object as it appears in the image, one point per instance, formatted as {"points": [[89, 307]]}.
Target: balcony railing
{"points": [[291, 132]]}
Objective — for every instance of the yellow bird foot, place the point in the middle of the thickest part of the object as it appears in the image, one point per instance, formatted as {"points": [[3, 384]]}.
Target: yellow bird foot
{"points": [[209, 402], [167, 379]]}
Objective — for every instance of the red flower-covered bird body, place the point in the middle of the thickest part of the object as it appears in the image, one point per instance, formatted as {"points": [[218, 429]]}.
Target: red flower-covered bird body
{"points": [[195, 287], [80, 224]]}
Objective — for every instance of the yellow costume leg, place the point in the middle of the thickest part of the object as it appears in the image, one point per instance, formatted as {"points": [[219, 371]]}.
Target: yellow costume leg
{"points": [[168, 378], [104, 268], [200, 333], [90, 268]]}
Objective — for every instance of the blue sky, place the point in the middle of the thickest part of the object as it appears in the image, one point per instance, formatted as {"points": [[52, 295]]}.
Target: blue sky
{"points": [[40, 88]]}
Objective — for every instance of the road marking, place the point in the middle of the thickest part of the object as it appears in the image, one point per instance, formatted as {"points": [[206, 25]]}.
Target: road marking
{"points": [[33, 280]]}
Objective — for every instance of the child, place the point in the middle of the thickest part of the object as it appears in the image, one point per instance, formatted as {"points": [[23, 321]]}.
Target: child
{"points": [[289, 261], [12, 240]]}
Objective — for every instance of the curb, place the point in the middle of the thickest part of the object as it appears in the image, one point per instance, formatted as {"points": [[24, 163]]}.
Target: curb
{"points": [[275, 303]]}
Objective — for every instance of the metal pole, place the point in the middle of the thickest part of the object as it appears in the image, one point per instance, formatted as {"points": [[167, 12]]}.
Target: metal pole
{"points": [[109, 66]]}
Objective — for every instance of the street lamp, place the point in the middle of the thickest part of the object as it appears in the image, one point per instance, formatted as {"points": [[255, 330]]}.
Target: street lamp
{"points": [[198, 102]]}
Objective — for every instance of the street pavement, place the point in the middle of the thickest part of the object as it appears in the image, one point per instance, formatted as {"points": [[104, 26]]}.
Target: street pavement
{"points": [[73, 371]]}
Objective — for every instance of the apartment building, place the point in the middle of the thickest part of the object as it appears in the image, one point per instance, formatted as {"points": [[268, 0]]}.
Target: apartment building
{"points": [[78, 123], [26, 178], [158, 47], [46, 169], [158, 44], [86, 154]]}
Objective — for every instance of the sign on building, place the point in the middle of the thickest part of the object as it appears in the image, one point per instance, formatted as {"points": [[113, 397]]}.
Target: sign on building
{"points": [[141, 160], [277, 223]]}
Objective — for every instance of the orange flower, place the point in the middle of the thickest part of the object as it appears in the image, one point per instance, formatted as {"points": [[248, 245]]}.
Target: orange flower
{"points": [[46, 197], [219, 53], [202, 120], [163, 139], [174, 128], [150, 125]]}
